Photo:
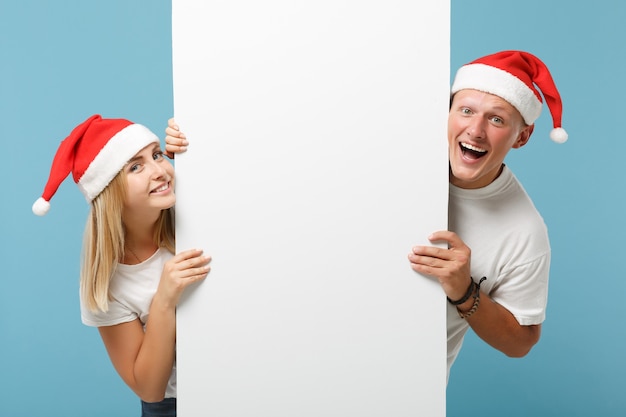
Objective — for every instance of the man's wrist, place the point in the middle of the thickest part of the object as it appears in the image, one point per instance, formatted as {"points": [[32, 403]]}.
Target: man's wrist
{"points": [[468, 294], [466, 310]]}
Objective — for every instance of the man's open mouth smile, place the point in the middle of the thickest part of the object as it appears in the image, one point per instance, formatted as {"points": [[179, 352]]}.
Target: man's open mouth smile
{"points": [[471, 151]]}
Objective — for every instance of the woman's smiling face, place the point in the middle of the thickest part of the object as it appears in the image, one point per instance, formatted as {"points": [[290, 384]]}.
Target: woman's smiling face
{"points": [[482, 128], [150, 181]]}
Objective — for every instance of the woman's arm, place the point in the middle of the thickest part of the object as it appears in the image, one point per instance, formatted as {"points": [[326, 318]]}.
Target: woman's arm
{"points": [[144, 360]]}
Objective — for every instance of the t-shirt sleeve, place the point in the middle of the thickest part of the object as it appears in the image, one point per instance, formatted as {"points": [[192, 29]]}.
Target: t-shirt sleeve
{"points": [[116, 314], [524, 291]]}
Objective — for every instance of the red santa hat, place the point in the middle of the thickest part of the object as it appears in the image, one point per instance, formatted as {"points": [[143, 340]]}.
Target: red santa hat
{"points": [[515, 76], [95, 152]]}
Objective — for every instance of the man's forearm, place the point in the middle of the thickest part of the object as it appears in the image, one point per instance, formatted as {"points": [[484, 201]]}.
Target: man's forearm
{"points": [[498, 327]]}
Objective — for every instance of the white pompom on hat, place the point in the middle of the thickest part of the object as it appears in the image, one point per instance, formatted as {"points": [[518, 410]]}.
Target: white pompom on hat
{"points": [[95, 152], [513, 76]]}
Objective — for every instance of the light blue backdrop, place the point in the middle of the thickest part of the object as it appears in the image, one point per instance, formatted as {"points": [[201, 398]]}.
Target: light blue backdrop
{"points": [[62, 61]]}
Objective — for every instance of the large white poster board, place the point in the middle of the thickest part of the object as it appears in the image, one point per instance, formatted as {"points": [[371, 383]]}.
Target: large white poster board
{"points": [[318, 157]]}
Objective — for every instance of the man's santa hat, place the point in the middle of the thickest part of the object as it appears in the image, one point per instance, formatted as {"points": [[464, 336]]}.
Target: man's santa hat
{"points": [[95, 152], [515, 77]]}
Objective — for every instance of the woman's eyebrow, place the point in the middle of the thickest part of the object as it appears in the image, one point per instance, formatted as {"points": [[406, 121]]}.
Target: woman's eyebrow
{"points": [[134, 159], [138, 157]]}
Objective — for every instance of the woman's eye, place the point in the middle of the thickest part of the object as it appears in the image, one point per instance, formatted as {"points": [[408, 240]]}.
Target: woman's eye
{"points": [[133, 168], [157, 155]]}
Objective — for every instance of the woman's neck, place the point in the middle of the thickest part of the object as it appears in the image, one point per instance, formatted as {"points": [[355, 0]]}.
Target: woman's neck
{"points": [[139, 243], [137, 250]]}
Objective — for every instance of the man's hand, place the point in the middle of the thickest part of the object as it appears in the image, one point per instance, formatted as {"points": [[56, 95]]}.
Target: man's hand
{"points": [[492, 322], [450, 266]]}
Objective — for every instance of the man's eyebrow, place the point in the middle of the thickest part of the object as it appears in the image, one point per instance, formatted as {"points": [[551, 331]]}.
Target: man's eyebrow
{"points": [[503, 110]]}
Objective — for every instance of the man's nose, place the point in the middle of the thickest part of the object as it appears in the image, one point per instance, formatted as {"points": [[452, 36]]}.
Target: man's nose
{"points": [[476, 127]]}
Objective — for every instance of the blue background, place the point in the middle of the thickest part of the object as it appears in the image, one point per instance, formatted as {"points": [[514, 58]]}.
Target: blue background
{"points": [[63, 61]]}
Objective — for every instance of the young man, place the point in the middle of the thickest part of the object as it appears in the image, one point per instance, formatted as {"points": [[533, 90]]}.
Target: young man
{"points": [[495, 268]]}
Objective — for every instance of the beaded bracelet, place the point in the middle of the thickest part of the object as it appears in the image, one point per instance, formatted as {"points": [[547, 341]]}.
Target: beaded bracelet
{"points": [[476, 300]]}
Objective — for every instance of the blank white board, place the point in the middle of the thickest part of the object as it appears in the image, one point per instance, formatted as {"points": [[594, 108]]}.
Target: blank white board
{"points": [[318, 158]]}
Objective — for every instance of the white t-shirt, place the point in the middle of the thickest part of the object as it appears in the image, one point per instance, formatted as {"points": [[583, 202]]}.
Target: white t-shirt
{"points": [[510, 246], [132, 288]]}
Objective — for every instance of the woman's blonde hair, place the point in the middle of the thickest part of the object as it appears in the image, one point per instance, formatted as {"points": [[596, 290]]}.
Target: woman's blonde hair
{"points": [[103, 242]]}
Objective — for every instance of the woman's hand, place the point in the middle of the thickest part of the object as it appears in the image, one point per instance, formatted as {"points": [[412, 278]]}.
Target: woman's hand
{"points": [[175, 140], [179, 272]]}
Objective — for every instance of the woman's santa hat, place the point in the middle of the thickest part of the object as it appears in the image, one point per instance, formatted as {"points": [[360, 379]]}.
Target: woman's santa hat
{"points": [[95, 152], [513, 76]]}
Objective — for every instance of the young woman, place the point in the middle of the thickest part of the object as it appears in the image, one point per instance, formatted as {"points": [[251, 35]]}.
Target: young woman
{"points": [[131, 278]]}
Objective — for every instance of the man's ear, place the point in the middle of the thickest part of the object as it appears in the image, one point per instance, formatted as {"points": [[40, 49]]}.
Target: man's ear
{"points": [[524, 136]]}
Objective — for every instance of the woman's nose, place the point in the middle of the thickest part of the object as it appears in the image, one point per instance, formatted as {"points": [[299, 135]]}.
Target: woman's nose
{"points": [[158, 169]]}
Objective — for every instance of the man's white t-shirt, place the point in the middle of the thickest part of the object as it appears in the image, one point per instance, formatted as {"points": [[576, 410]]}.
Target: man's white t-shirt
{"points": [[509, 243]]}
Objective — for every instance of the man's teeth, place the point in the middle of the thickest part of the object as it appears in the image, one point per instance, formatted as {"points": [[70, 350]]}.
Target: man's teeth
{"points": [[472, 147]]}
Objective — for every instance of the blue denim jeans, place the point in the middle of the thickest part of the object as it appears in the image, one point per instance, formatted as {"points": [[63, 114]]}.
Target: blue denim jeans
{"points": [[165, 408]]}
